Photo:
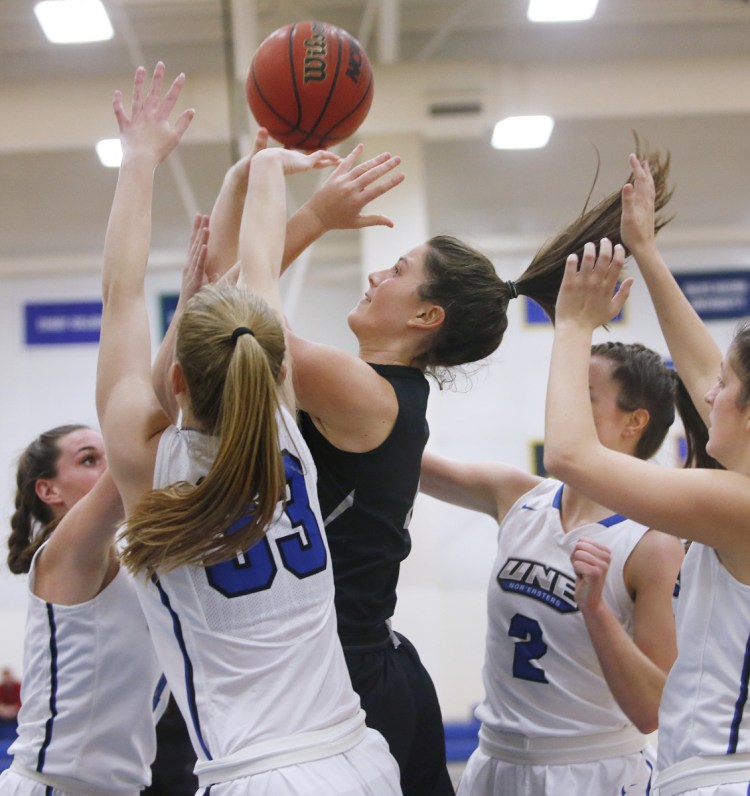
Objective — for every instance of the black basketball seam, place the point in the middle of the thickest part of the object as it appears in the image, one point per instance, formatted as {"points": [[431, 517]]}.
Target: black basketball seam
{"points": [[351, 113], [294, 75], [330, 93], [291, 125]]}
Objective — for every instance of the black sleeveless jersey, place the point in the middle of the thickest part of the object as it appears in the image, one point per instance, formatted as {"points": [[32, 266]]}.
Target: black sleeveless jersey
{"points": [[366, 500]]}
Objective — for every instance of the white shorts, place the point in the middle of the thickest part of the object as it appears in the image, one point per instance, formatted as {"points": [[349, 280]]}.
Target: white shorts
{"points": [[368, 769], [706, 775], [14, 784], [486, 776]]}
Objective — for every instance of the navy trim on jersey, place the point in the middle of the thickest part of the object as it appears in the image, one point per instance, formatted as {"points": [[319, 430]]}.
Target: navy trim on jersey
{"points": [[607, 522], [739, 707], [158, 691], [610, 521], [52, 687], [190, 687]]}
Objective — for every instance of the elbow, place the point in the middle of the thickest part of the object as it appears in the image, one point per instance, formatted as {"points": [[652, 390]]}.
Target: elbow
{"points": [[557, 463], [648, 722]]}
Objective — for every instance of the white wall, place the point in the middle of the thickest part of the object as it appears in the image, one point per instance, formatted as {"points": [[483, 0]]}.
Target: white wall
{"points": [[442, 592]]}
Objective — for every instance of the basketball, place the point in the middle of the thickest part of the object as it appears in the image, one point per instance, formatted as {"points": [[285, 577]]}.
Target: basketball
{"points": [[310, 85]]}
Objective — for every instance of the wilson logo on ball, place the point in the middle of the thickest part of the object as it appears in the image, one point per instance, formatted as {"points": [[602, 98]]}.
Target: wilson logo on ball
{"points": [[310, 84], [315, 54]]}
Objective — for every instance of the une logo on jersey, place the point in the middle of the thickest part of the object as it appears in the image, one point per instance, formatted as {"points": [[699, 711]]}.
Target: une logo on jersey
{"points": [[546, 584]]}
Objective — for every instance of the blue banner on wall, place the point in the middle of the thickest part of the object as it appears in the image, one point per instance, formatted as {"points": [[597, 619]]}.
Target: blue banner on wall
{"points": [[717, 295], [167, 306], [63, 323], [535, 315]]}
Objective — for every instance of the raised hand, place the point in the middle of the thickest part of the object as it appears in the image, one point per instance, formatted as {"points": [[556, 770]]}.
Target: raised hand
{"points": [[194, 273], [295, 162], [638, 199], [147, 131], [339, 201], [587, 294]]}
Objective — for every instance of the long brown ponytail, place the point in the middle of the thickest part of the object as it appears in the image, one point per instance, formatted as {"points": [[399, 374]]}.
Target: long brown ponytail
{"points": [[465, 283]]}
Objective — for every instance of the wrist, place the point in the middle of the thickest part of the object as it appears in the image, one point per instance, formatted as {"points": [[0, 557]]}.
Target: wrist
{"points": [[644, 247], [574, 326], [313, 221], [594, 611], [139, 161]]}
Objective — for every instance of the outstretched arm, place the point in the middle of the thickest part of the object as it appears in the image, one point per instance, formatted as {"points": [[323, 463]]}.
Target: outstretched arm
{"points": [[129, 411], [708, 506], [263, 226], [489, 487], [635, 668], [79, 559], [696, 356], [226, 215], [338, 203]]}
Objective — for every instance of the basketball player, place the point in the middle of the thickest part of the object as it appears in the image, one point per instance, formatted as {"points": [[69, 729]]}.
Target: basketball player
{"points": [[704, 730], [580, 618], [91, 681], [440, 305], [223, 530]]}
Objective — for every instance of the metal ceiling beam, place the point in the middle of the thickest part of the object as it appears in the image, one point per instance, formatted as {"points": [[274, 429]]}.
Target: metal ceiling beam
{"points": [[389, 26]]}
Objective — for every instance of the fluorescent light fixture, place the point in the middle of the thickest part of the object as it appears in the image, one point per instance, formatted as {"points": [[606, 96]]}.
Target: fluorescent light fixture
{"points": [[110, 152], [73, 21], [522, 132], [561, 10]]}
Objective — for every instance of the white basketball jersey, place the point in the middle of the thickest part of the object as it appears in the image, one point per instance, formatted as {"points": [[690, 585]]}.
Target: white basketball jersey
{"points": [[541, 674], [249, 646], [704, 707], [90, 685]]}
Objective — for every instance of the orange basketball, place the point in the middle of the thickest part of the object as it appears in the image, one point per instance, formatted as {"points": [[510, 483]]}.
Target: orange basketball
{"points": [[310, 84]]}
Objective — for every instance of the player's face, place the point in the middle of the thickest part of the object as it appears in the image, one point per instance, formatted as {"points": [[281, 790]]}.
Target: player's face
{"points": [[609, 419], [727, 423], [392, 297], [82, 460]]}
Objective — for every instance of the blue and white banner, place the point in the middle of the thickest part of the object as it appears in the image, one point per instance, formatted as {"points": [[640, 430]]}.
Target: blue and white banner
{"points": [[63, 323], [717, 295]]}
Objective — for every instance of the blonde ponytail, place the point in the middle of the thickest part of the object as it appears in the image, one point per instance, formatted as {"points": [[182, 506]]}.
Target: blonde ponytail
{"points": [[232, 380]]}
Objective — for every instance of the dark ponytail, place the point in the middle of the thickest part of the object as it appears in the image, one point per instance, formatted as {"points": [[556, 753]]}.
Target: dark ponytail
{"points": [[541, 280], [464, 282], [696, 431]]}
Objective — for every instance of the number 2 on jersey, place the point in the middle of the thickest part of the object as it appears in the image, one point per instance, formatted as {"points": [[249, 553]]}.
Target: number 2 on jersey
{"points": [[303, 553], [530, 648]]}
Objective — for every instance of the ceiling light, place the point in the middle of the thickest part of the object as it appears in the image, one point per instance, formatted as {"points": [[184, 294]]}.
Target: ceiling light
{"points": [[73, 21], [110, 152], [561, 10], [522, 132]]}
